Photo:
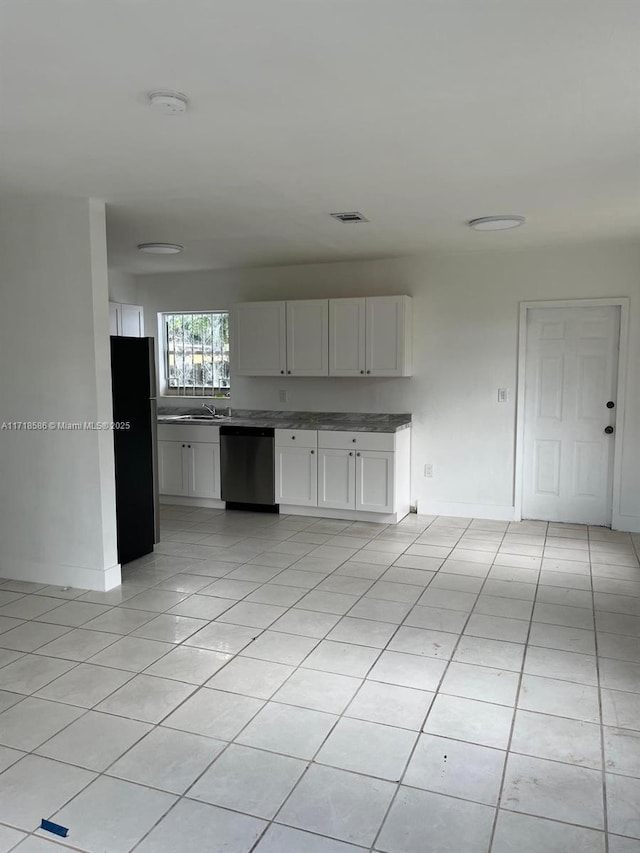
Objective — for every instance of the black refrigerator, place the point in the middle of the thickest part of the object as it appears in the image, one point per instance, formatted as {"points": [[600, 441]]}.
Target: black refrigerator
{"points": [[135, 443]]}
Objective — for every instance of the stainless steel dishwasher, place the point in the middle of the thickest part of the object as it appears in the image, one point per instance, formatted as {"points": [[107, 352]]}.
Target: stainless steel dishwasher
{"points": [[247, 467]]}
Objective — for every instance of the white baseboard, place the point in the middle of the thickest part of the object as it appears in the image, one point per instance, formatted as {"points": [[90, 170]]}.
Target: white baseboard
{"points": [[627, 523], [346, 514], [177, 500], [101, 580], [491, 512]]}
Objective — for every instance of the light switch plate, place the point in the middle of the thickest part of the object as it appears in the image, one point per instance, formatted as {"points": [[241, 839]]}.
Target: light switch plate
{"points": [[283, 397], [503, 395]]}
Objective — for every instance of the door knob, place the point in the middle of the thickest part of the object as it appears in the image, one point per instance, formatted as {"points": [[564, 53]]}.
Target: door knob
{"points": [[610, 404], [608, 430]]}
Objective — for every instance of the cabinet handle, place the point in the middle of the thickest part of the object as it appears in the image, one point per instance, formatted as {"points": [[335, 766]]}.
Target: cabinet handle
{"points": [[293, 438], [368, 371], [282, 371], [189, 446], [351, 453], [312, 452], [362, 371], [184, 445], [288, 371], [353, 440], [357, 454]]}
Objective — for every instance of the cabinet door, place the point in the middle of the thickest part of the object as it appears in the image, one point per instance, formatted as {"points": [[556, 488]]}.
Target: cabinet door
{"points": [[337, 479], [374, 480], [388, 336], [171, 474], [297, 476], [115, 323], [204, 470], [132, 321], [347, 323], [308, 337], [259, 339]]}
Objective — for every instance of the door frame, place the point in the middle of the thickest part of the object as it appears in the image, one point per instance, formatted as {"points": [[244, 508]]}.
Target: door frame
{"points": [[623, 304]]}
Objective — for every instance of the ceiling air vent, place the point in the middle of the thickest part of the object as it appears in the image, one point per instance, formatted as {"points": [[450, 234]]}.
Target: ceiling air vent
{"points": [[350, 216]]}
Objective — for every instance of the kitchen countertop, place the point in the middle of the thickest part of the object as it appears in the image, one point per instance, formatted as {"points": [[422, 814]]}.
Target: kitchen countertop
{"points": [[348, 421]]}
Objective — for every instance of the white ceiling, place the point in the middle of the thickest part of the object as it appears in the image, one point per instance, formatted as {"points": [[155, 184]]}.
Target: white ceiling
{"points": [[420, 113]]}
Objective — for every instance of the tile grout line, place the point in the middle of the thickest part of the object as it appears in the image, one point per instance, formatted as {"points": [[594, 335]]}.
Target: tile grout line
{"points": [[233, 741], [605, 816], [341, 716], [360, 597], [436, 692], [516, 699]]}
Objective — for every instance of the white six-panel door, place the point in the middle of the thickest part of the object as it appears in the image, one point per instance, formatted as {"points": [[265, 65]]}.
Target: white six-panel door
{"points": [[571, 375]]}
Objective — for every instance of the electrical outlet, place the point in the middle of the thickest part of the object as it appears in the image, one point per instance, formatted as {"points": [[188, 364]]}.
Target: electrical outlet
{"points": [[428, 470], [283, 396]]}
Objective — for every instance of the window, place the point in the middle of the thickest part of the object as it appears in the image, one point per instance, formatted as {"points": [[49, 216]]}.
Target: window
{"points": [[196, 350]]}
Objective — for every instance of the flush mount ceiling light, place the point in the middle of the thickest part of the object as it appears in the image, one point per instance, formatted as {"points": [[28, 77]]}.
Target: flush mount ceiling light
{"points": [[496, 223], [168, 103], [160, 248]]}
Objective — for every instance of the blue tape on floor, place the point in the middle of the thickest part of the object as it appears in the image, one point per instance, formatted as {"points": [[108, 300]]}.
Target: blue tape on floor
{"points": [[54, 827]]}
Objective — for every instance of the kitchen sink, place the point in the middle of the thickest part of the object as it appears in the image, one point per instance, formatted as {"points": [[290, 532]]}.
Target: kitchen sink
{"points": [[201, 417]]}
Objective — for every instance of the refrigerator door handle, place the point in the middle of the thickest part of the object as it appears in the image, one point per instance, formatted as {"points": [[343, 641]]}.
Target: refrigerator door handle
{"points": [[154, 450]]}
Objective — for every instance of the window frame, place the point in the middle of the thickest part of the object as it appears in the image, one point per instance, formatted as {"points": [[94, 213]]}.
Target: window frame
{"points": [[187, 391]]}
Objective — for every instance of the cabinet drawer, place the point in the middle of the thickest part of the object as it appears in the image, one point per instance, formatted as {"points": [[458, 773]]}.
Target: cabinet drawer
{"points": [[206, 433], [296, 438], [358, 440]]}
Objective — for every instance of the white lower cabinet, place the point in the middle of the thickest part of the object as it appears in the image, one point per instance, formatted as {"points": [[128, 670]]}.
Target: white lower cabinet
{"points": [[296, 467], [188, 467], [203, 478], [374, 481], [296, 476], [171, 479], [337, 478], [335, 473]]}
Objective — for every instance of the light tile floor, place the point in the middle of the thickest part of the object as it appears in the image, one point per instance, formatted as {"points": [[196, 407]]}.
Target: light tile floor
{"points": [[283, 684]]}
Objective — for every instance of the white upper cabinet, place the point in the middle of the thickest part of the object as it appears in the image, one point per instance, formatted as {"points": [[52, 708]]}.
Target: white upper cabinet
{"points": [[115, 322], [126, 320], [389, 336], [308, 337], [370, 337], [132, 321], [347, 328], [260, 339], [319, 337]]}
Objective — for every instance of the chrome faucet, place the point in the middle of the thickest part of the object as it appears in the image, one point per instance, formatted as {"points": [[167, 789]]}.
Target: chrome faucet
{"points": [[210, 409]]}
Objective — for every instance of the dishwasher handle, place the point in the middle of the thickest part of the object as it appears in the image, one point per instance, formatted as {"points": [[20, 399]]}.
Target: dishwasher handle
{"points": [[257, 432]]}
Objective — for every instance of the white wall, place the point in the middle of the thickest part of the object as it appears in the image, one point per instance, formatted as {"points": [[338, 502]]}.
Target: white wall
{"points": [[57, 491], [465, 347], [122, 287]]}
